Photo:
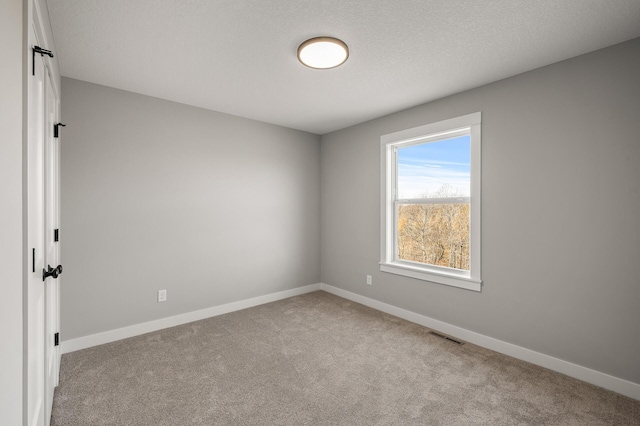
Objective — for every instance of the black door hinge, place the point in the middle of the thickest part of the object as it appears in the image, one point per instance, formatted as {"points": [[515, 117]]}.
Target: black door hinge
{"points": [[55, 129], [42, 52], [56, 235], [56, 339], [33, 260]]}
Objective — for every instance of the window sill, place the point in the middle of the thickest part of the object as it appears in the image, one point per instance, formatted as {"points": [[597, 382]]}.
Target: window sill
{"points": [[432, 276]]}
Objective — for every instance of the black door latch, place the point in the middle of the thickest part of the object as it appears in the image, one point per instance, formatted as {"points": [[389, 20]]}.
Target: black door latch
{"points": [[51, 272]]}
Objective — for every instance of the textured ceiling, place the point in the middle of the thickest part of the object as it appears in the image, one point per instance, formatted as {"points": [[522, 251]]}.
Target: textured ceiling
{"points": [[239, 56]]}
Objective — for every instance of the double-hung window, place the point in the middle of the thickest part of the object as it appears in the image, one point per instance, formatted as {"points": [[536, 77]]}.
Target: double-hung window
{"points": [[430, 227]]}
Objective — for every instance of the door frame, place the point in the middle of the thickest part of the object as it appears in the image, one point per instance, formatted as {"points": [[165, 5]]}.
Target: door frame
{"points": [[35, 291]]}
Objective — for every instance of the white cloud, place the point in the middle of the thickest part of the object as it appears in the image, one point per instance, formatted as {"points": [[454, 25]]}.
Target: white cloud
{"points": [[418, 181]]}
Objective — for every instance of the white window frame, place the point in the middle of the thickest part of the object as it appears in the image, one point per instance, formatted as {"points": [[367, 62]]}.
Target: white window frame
{"points": [[389, 262]]}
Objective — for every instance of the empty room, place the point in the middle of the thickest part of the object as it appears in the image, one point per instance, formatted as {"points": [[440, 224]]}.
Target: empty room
{"points": [[320, 212]]}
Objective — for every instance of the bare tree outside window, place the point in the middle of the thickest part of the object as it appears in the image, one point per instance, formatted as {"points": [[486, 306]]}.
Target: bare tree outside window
{"points": [[432, 232], [435, 234]]}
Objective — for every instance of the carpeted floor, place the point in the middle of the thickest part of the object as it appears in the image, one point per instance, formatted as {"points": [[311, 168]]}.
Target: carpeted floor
{"points": [[318, 359]]}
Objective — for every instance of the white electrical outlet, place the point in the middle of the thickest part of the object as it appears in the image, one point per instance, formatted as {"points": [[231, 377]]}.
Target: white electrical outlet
{"points": [[369, 280], [162, 295]]}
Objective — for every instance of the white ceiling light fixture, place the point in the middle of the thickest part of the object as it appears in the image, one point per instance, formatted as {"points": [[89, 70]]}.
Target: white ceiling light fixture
{"points": [[323, 53]]}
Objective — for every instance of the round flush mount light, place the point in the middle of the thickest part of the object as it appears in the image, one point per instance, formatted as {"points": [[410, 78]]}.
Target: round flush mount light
{"points": [[323, 52]]}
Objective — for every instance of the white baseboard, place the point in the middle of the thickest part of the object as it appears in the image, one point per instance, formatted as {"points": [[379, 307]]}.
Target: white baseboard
{"points": [[147, 327], [579, 372]]}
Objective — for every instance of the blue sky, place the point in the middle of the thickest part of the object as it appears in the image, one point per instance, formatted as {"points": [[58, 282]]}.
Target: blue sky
{"points": [[425, 168]]}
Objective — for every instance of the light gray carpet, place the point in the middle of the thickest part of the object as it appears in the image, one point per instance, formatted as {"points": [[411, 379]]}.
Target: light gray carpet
{"points": [[318, 359]]}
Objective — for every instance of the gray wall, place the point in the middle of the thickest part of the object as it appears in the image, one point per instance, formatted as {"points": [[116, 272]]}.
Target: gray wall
{"points": [[560, 212], [11, 211], [159, 195]]}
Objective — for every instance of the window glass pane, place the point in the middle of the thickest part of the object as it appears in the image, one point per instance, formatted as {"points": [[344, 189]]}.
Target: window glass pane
{"points": [[435, 234], [439, 169]]}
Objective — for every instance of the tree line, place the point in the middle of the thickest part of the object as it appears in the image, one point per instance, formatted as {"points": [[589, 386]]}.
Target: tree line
{"points": [[435, 234]]}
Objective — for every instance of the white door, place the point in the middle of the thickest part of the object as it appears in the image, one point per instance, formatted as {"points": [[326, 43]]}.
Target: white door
{"points": [[35, 237], [52, 254], [43, 356]]}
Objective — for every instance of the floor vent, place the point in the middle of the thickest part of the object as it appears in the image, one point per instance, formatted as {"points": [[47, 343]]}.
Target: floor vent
{"points": [[442, 336]]}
